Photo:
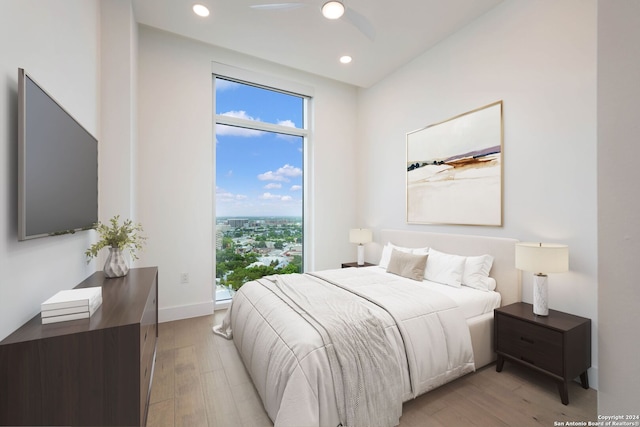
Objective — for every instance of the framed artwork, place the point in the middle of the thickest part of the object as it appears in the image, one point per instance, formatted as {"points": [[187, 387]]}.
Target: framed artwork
{"points": [[454, 170]]}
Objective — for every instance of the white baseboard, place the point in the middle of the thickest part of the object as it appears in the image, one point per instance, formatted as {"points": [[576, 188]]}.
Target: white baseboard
{"points": [[169, 314], [223, 305]]}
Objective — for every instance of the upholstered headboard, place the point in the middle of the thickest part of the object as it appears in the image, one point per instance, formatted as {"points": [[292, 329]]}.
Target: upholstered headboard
{"points": [[502, 249]]}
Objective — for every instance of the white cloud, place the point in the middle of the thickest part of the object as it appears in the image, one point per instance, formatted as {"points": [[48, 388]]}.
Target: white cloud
{"points": [[226, 196], [295, 188], [238, 131], [288, 123], [270, 196], [222, 85], [272, 185], [290, 171], [271, 176], [240, 114], [283, 174]]}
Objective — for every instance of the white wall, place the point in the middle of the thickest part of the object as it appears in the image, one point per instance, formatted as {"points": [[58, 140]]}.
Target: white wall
{"points": [[118, 112], [618, 206], [540, 59], [58, 44], [176, 165]]}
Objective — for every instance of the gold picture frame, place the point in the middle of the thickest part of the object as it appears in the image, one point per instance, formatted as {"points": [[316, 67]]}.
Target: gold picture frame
{"points": [[455, 170]]}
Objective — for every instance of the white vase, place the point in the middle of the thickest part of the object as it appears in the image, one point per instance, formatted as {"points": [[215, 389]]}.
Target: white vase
{"points": [[115, 265]]}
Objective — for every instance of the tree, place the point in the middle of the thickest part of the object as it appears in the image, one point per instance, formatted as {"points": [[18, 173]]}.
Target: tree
{"points": [[227, 242], [233, 268], [290, 269]]}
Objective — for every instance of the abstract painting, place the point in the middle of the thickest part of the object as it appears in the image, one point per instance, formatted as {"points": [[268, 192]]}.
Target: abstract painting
{"points": [[454, 170]]}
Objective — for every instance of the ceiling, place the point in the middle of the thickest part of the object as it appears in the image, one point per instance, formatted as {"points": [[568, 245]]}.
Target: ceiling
{"points": [[303, 39]]}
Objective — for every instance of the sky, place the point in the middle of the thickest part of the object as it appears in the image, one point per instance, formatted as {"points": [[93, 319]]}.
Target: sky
{"points": [[258, 173]]}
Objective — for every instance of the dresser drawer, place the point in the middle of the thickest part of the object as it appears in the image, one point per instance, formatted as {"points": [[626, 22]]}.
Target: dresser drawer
{"points": [[148, 340], [148, 324], [145, 331], [146, 372], [535, 345]]}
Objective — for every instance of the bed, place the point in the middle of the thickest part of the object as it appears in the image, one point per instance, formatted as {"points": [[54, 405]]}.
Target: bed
{"points": [[303, 356]]}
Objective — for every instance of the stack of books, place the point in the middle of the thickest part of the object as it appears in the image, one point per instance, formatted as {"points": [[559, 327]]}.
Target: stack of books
{"points": [[71, 304]]}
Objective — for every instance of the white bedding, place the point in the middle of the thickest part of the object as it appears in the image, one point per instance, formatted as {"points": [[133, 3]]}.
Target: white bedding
{"points": [[472, 302], [287, 358]]}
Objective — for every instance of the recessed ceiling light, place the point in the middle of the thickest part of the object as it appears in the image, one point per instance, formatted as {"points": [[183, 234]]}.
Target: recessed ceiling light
{"points": [[333, 9], [200, 10], [345, 59]]}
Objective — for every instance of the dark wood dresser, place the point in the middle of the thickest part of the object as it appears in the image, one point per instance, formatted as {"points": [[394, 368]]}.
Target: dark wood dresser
{"points": [[557, 345], [94, 371]]}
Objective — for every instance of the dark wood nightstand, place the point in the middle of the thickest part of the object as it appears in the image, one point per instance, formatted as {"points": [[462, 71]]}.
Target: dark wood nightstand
{"points": [[557, 345], [355, 264]]}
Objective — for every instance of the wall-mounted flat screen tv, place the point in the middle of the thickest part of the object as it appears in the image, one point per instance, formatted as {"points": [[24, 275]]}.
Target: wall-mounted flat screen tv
{"points": [[57, 166]]}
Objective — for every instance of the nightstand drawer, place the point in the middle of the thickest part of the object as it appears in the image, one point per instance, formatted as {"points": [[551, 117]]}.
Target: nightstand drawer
{"points": [[532, 344], [558, 345]]}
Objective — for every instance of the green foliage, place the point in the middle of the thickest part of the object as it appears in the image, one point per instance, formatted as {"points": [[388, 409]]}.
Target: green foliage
{"points": [[126, 237], [293, 267], [227, 242], [233, 268]]}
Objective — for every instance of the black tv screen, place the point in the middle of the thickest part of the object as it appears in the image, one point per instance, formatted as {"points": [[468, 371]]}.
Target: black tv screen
{"points": [[57, 166]]}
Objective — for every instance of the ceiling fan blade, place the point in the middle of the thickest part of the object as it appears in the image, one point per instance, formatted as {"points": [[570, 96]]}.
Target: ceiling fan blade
{"points": [[361, 23], [277, 6]]}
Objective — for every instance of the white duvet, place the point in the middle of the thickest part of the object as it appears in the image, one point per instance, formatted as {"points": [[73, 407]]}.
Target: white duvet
{"points": [[289, 362]]}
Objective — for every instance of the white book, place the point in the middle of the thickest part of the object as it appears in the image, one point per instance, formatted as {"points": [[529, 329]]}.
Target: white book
{"points": [[65, 317], [82, 297], [73, 310]]}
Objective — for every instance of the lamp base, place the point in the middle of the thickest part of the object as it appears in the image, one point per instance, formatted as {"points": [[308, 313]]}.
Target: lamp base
{"points": [[540, 295], [360, 254]]}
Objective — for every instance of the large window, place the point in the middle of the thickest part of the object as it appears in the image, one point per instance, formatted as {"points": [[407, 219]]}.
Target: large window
{"points": [[260, 139]]}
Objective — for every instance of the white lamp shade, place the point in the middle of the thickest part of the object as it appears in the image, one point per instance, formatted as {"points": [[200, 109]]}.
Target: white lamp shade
{"points": [[542, 257], [360, 235]]}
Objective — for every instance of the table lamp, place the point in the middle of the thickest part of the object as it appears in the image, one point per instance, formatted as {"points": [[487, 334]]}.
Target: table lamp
{"points": [[540, 259], [360, 236]]}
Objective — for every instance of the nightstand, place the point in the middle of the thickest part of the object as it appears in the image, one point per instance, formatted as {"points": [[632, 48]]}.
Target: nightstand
{"points": [[557, 345], [355, 264]]}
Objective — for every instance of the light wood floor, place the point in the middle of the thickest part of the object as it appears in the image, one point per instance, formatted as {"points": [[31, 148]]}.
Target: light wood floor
{"points": [[199, 380]]}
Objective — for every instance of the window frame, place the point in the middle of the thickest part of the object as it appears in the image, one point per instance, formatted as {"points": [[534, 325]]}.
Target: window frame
{"points": [[268, 82]]}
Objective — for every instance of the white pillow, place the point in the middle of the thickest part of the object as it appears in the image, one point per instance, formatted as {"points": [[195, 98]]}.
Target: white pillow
{"points": [[445, 268], [492, 283], [389, 247], [407, 265], [476, 272]]}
